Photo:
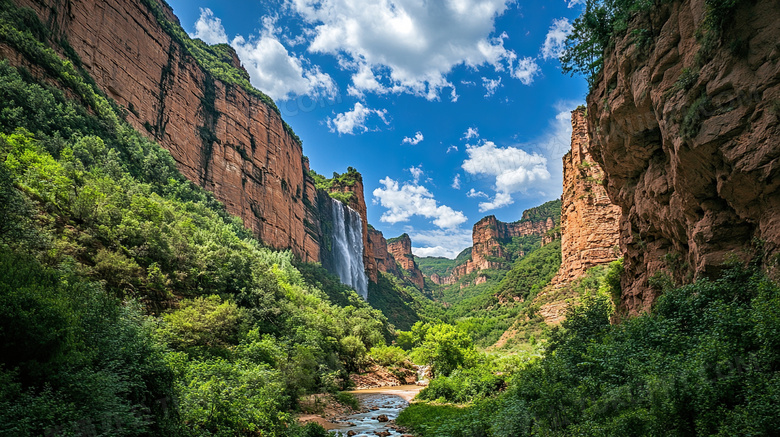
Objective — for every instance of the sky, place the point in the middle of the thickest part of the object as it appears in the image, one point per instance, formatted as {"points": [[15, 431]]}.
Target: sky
{"points": [[451, 109]]}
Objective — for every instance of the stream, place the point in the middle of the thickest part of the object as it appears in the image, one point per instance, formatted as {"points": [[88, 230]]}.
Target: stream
{"points": [[376, 402]]}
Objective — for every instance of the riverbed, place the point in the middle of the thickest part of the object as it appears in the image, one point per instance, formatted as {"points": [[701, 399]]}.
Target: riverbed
{"points": [[376, 403]]}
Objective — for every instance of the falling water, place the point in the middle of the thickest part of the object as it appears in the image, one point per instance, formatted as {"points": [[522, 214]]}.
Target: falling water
{"points": [[347, 248]]}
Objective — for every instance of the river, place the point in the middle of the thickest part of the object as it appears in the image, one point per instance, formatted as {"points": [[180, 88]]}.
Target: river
{"points": [[375, 402]]}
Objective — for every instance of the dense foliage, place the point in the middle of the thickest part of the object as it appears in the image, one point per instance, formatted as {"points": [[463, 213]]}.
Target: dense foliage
{"points": [[543, 211], [132, 303], [704, 362], [337, 183]]}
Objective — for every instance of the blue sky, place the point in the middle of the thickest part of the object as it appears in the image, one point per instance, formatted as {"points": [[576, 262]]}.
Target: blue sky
{"points": [[451, 109]]}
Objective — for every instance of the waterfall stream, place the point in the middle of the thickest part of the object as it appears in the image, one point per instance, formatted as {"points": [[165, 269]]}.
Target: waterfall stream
{"points": [[346, 253]]}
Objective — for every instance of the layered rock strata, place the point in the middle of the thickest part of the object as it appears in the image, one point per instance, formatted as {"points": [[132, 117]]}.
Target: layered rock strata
{"points": [[686, 129], [589, 220], [401, 250]]}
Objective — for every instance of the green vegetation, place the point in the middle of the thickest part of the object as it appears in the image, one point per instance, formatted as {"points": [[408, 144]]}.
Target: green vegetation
{"points": [[338, 181], [401, 302], [430, 265], [543, 211], [604, 21], [704, 362], [397, 239], [132, 303]]}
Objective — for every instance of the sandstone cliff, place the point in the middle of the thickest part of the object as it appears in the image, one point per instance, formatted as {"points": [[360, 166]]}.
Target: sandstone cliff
{"points": [[686, 129], [401, 249], [223, 137], [384, 260], [488, 236], [589, 221]]}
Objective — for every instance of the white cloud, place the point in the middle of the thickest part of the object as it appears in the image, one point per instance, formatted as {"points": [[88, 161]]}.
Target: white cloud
{"points": [[447, 242], [470, 133], [553, 46], [491, 85], [410, 46], [271, 67], [418, 137], [515, 170], [474, 193], [355, 120], [573, 3], [452, 148], [404, 201], [456, 182], [209, 28], [525, 71], [417, 173]]}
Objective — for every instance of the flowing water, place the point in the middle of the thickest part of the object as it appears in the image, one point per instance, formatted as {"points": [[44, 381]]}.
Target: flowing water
{"points": [[388, 401], [347, 248]]}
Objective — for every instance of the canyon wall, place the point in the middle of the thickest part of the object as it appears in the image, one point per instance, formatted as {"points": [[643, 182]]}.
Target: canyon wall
{"points": [[223, 138], [589, 221], [385, 261], [401, 250], [487, 250], [686, 128]]}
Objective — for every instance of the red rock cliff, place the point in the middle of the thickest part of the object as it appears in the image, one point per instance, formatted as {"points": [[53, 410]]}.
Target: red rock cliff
{"points": [[487, 251], [688, 138], [589, 221], [401, 249], [222, 137], [385, 261]]}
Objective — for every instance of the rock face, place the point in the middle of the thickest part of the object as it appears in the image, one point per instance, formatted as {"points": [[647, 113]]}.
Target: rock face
{"points": [[223, 138], [487, 251], [401, 249], [589, 221], [688, 138], [385, 261]]}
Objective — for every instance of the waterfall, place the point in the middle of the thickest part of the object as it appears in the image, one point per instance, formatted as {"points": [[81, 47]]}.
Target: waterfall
{"points": [[346, 254]]}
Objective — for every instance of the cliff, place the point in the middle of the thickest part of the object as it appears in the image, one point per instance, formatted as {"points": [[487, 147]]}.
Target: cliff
{"points": [[224, 137], [685, 128], [489, 235], [589, 221], [384, 260], [401, 249]]}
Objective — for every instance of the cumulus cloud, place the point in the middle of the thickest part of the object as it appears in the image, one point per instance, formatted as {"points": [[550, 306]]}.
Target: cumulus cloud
{"points": [[271, 67], [407, 46], [456, 182], [526, 70], [514, 170], [553, 46], [474, 193], [491, 85], [355, 120], [440, 242], [418, 137], [409, 199], [470, 133], [209, 28]]}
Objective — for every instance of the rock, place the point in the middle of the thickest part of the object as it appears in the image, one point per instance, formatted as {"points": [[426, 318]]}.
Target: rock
{"points": [[382, 418], [401, 249], [223, 138], [351, 433], [382, 433], [589, 221], [486, 237], [693, 165]]}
